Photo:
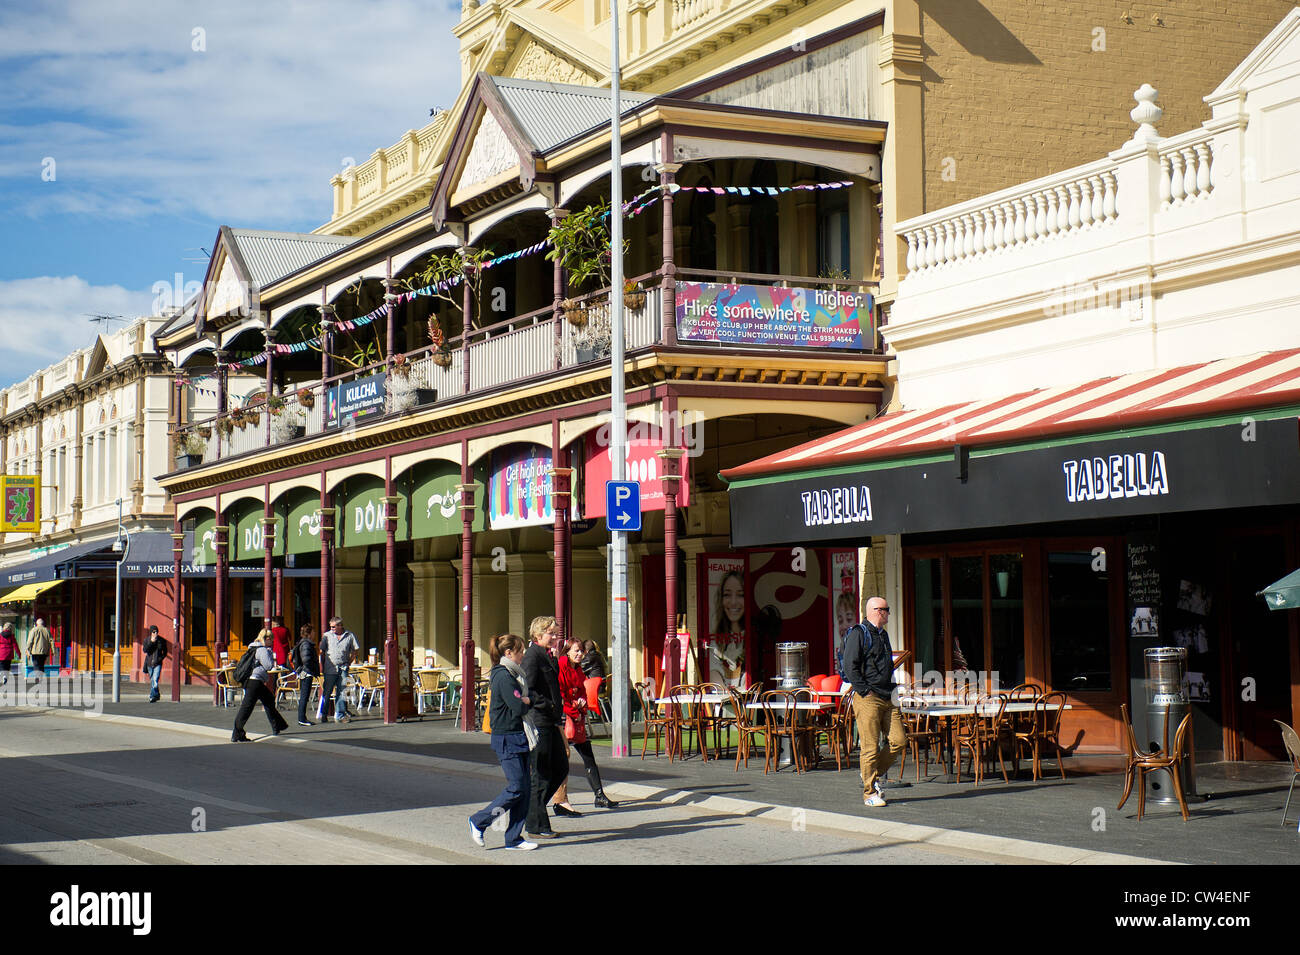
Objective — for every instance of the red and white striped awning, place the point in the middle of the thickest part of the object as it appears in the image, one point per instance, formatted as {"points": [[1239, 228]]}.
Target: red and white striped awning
{"points": [[1225, 386]]}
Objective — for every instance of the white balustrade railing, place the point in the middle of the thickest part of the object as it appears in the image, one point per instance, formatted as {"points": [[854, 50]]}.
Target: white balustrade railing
{"points": [[688, 12], [1078, 200], [514, 355], [1186, 169]]}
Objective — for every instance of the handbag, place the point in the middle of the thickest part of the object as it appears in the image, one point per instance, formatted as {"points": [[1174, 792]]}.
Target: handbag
{"points": [[570, 729]]}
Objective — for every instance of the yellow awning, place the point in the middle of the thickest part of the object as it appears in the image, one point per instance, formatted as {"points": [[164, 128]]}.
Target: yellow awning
{"points": [[28, 591]]}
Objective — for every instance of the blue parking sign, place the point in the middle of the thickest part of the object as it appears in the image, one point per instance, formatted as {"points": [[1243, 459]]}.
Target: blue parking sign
{"points": [[623, 505]]}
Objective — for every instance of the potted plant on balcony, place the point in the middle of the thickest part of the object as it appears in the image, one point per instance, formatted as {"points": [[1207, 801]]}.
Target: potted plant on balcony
{"points": [[594, 340], [306, 398], [575, 311], [287, 424], [237, 417], [275, 405], [441, 354], [225, 426], [190, 447], [205, 431], [404, 390], [581, 243]]}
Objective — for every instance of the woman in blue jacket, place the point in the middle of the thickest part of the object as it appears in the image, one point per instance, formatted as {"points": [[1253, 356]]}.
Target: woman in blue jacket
{"points": [[510, 741]]}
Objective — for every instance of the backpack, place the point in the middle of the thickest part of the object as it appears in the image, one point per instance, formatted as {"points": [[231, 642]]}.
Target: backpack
{"points": [[294, 658], [244, 668], [844, 641]]}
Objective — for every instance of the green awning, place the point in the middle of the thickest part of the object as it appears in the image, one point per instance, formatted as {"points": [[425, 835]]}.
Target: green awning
{"points": [[1284, 594]]}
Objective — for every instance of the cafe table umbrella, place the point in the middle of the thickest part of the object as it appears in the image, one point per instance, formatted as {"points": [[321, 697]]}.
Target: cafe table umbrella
{"points": [[1283, 594]]}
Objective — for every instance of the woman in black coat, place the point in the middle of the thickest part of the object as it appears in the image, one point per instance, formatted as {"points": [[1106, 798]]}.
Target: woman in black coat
{"points": [[510, 741]]}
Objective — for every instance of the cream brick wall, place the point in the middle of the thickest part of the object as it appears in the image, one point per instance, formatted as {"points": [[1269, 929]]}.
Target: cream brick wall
{"points": [[1013, 90]]}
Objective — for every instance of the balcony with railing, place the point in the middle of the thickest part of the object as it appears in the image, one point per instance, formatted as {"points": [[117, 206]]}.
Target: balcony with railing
{"points": [[533, 347]]}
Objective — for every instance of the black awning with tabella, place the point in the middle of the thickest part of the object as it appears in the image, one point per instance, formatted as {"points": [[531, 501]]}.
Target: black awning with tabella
{"points": [[1189, 467]]}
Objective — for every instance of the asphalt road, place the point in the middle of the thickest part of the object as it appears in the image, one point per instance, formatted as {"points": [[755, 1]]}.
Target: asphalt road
{"points": [[81, 791]]}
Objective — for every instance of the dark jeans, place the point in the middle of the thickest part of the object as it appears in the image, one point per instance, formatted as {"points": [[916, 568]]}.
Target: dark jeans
{"points": [[549, 767], [332, 685], [512, 751], [304, 691], [255, 691], [37, 663]]}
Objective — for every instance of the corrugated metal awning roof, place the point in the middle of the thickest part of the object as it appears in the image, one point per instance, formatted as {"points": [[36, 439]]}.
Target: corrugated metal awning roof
{"points": [[273, 255], [551, 113], [1224, 386]]}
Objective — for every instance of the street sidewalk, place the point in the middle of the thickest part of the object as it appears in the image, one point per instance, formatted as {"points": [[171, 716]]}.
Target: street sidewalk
{"points": [[1074, 821]]}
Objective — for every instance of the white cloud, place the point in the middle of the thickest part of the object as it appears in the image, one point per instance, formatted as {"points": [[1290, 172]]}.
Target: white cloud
{"points": [[42, 320], [247, 131]]}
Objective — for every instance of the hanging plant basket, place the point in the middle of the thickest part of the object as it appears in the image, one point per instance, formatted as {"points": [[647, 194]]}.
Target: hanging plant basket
{"points": [[441, 358], [225, 426], [633, 300], [252, 416], [306, 398], [575, 313], [205, 432]]}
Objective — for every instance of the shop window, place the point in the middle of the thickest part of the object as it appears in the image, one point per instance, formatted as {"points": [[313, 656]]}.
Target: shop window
{"points": [[967, 613], [1078, 622], [252, 610], [198, 622], [1007, 617], [927, 579]]}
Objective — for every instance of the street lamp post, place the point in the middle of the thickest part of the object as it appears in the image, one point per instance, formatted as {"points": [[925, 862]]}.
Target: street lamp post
{"points": [[121, 547], [621, 730]]}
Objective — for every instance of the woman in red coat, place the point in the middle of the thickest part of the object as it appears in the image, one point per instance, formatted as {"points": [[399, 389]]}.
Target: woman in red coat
{"points": [[573, 690]]}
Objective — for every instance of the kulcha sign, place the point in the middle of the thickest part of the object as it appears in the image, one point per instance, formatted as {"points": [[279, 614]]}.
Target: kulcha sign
{"points": [[353, 401], [1192, 469], [768, 315]]}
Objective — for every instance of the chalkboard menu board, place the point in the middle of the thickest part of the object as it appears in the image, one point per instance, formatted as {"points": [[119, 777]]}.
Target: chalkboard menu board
{"points": [[1143, 572]]}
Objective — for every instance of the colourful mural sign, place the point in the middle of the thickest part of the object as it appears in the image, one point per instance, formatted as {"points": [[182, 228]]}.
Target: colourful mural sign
{"points": [[21, 495], [768, 315], [519, 487]]}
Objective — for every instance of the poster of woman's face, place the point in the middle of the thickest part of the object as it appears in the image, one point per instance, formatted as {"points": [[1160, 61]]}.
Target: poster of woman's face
{"points": [[844, 581], [727, 599]]}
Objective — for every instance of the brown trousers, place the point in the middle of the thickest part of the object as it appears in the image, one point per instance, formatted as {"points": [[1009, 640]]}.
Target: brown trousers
{"points": [[877, 716]]}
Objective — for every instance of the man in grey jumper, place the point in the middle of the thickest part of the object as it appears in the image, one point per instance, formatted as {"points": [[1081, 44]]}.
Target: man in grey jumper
{"points": [[338, 647]]}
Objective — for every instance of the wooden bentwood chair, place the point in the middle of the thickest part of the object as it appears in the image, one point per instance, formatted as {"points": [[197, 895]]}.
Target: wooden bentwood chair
{"points": [[1141, 762], [653, 718]]}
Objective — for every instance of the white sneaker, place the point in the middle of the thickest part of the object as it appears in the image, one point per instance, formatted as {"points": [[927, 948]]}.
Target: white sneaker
{"points": [[880, 790], [476, 834], [523, 846], [875, 800]]}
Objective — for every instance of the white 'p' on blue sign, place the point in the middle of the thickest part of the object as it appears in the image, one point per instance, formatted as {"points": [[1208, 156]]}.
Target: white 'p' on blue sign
{"points": [[623, 505]]}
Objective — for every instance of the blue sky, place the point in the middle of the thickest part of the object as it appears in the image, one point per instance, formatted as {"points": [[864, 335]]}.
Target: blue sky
{"points": [[129, 131]]}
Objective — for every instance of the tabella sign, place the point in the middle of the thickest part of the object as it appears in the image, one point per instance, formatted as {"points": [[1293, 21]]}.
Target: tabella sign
{"points": [[354, 400], [768, 315], [1192, 469]]}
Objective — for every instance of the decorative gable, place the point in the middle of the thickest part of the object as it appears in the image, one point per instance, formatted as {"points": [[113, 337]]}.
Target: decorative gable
{"points": [[538, 62], [490, 154], [227, 292]]}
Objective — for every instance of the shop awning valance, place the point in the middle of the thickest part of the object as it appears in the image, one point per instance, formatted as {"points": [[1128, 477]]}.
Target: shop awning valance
{"points": [[51, 565], [1214, 435], [28, 591]]}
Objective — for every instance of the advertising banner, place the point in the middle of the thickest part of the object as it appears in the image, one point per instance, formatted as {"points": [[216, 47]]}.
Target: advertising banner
{"points": [[302, 533], [844, 599], [769, 315], [248, 537], [353, 401], [725, 626], [436, 499], [519, 487], [643, 466], [362, 515], [21, 513]]}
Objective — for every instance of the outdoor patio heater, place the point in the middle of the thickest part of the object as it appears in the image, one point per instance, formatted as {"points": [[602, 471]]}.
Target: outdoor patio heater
{"points": [[1166, 669]]}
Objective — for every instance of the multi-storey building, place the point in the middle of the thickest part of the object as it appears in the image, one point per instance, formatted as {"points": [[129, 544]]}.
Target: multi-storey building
{"points": [[94, 428], [430, 494], [1095, 451]]}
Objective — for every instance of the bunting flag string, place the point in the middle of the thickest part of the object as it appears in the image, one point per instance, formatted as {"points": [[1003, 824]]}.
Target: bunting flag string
{"points": [[631, 208]]}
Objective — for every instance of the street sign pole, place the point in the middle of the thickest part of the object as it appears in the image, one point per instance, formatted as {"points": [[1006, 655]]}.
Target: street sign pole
{"points": [[622, 730]]}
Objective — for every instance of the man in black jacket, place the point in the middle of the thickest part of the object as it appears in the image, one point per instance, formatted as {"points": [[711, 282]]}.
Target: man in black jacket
{"points": [[549, 766], [869, 666], [155, 652]]}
